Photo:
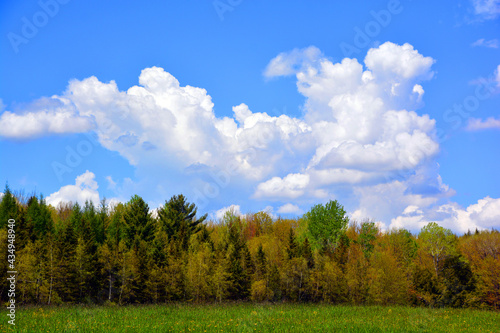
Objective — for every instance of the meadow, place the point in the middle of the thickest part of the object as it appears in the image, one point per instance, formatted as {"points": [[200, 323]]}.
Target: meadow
{"points": [[248, 317]]}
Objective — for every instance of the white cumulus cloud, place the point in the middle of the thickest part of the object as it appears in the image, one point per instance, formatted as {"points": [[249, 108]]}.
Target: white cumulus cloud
{"points": [[233, 209], [85, 188], [400, 60], [52, 116], [289, 208], [361, 137], [291, 186]]}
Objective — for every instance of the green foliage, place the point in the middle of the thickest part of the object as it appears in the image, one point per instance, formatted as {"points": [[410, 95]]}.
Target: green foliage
{"points": [[260, 264], [459, 283], [178, 219], [238, 277], [292, 249], [38, 218], [8, 207], [402, 245], [138, 224], [367, 237], [123, 255], [306, 253], [326, 223], [426, 287], [438, 242]]}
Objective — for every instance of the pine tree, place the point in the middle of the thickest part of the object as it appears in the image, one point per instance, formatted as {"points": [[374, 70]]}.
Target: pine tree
{"points": [[240, 280], [38, 219], [128, 275], [178, 219], [306, 253], [292, 249], [261, 264], [65, 281], [8, 208], [138, 224], [275, 282]]}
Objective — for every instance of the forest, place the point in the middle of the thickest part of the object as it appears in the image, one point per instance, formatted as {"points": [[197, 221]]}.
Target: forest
{"points": [[130, 254]]}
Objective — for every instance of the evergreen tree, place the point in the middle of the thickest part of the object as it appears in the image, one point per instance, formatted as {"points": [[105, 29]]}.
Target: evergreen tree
{"points": [[66, 273], [138, 224], [240, 280], [261, 264], [115, 231], [76, 220], [275, 282], [341, 252], [88, 268], [292, 248], [459, 282], [178, 219], [38, 219], [306, 253], [8, 208], [367, 237], [101, 222]]}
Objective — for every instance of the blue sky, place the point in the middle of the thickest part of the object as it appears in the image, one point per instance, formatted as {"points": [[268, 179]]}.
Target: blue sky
{"points": [[390, 107]]}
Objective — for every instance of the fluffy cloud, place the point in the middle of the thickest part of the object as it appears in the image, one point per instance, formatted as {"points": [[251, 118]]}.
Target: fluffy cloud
{"points": [[291, 186], [85, 188], [288, 63], [52, 116], [487, 9], [385, 200], [361, 129], [161, 122], [485, 214], [289, 208], [399, 62], [233, 209], [493, 43], [360, 139], [476, 124]]}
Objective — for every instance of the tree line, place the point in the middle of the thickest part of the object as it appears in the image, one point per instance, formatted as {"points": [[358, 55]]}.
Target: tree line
{"points": [[129, 254]]}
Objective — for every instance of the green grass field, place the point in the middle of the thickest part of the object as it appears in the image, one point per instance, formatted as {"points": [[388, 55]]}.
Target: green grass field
{"points": [[250, 318]]}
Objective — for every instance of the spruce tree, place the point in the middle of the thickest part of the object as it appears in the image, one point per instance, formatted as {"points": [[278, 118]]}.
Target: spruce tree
{"points": [[178, 219], [8, 207], [138, 224], [292, 249]]}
